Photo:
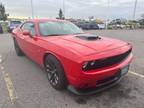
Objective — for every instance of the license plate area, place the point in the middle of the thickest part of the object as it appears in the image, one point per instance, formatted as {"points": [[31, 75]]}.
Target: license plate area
{"points": [[124, 70]]}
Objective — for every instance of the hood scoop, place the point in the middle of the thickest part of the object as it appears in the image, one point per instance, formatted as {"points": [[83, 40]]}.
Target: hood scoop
{"points": [[88, 37]]}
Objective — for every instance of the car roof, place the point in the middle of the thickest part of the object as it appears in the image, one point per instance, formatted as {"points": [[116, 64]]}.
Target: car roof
{"points": [[43, 20]]}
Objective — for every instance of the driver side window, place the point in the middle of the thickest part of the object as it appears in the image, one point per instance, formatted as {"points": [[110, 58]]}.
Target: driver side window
{"points": [[30, 27]]}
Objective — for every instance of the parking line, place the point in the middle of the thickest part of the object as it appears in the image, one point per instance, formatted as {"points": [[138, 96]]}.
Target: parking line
{"points": [[10, 87], [137, 74], [1, 67], [0, 58]]}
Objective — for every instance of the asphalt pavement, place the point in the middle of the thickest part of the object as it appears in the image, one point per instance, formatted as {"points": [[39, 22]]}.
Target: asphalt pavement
{"points": [[23, 83]]}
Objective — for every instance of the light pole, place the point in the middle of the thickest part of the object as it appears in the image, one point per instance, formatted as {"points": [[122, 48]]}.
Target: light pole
{"points": [[32, 10], [134, 12], [64, 8], [108, 14]]}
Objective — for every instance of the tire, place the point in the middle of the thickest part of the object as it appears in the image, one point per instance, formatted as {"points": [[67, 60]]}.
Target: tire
{"points": [[17, 49], [55, 72]]}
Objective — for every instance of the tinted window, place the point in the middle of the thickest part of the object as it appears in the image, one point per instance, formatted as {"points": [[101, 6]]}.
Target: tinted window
{"points": [[30, 27]]}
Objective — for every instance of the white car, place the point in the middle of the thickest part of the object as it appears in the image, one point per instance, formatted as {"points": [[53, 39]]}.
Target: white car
{"points": [[101, 26]]}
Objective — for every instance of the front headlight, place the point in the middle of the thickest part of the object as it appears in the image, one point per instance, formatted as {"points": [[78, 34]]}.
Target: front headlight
{"points": [[105, 62], [92, 63], [87, 65]]}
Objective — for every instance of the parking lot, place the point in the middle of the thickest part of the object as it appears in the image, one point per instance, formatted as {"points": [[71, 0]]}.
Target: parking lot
{"points": [[23, 83]]}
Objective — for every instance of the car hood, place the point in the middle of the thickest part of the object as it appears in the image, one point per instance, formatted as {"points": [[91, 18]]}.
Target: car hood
{"points": [[84, 46]]}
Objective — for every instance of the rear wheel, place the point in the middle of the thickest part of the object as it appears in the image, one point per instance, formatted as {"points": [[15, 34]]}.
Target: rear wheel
{"points": [[17, 49], [55, 72]]}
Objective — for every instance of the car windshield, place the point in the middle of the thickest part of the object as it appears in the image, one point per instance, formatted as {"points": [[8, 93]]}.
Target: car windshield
{"points": [[52, 28]]}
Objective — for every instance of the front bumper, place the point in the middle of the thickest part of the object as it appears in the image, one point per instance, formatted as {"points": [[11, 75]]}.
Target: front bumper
{"points": [[103, 85], [92, 79]]}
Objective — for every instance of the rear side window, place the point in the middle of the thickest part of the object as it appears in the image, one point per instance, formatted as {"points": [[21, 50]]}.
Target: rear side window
{"points": [[30, 27]]}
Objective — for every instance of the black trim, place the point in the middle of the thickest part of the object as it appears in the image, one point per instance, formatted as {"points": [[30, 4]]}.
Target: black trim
{"points": [[107, 61], [88, 37], [90, 91]]}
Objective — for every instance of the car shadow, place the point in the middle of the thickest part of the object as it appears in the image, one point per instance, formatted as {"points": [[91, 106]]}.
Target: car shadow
{"points": [[113, 94]]}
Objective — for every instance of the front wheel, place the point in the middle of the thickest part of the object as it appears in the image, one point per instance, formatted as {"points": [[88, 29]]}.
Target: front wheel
{"points": [[55, 72]]}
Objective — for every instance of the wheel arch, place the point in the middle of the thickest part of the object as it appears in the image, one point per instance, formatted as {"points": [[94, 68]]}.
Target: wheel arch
{"points": [[57, 57], [51, 53]]}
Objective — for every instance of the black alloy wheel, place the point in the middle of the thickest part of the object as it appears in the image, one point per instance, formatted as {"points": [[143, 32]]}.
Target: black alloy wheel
{"points": [[55, 72]]}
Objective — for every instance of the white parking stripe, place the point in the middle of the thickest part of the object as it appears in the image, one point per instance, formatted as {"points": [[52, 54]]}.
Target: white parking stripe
{"points": [[0, 58], [137, 74], [10, 87], [1, 67]]}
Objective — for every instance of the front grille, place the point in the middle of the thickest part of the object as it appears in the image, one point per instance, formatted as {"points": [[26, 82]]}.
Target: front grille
{"points": [[102, 84], [109, 79], [108, 61]]}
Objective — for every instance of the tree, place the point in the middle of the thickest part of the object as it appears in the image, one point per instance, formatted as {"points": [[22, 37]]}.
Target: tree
{"points": [[3, 15], [61, 16]]}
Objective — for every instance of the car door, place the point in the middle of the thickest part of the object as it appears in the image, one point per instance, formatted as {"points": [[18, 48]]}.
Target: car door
{"points": [[20, 37], [31, 42]]}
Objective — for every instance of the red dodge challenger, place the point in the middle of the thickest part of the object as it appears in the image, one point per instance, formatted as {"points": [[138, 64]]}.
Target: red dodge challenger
{"points": [[82, 62]]}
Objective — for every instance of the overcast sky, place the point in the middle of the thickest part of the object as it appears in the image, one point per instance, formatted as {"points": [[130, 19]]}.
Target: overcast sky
{"points": [[75, 8]]}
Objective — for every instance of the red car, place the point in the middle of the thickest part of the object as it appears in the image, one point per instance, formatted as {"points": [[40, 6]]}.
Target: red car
{"points": [[83, 62]]}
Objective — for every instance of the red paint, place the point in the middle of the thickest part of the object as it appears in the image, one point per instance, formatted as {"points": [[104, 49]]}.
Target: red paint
{"points": [[73, 52]]}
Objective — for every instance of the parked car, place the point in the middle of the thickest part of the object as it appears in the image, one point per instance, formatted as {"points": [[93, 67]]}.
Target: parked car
{"points": [[12, 25], [141, 22], [86, 25], [93, 25], [71, 58], [118, 24], [83, 25], [133, 24], [101, 26]]}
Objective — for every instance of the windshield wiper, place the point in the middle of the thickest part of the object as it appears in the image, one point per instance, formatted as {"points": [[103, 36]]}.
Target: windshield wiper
{"points": [[62, 34], [54, 34], [77, 33]]}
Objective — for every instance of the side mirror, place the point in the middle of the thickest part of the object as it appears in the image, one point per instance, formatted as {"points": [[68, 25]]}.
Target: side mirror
{"points": [[16, 26], [26, 33]]}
